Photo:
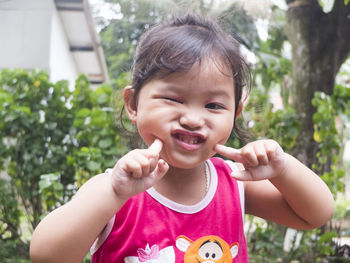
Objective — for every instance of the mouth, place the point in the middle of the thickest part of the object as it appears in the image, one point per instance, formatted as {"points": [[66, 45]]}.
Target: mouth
{"points": [[188, 140]]}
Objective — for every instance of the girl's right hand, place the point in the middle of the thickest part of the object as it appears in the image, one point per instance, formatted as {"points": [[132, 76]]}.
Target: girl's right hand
{"points": [[138, 170]]}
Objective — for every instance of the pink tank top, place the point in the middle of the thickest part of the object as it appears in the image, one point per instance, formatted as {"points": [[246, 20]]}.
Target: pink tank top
{"points": [[150, 228]]}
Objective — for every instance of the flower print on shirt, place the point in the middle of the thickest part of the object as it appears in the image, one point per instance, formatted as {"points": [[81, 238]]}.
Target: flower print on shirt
{"points": [[153, 255]]}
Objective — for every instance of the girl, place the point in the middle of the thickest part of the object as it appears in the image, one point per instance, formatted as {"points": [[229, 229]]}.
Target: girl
{"points": [[172, 202]]}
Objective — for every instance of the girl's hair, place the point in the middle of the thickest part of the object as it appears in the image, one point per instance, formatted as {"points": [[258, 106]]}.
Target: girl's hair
{"points": [[177, 45]]}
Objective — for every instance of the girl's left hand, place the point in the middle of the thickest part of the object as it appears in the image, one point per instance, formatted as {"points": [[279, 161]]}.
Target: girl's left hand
{"points": [[262, 159]]}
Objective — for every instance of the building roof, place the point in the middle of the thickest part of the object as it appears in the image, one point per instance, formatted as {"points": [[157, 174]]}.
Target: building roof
{"points": [[84, 42]]}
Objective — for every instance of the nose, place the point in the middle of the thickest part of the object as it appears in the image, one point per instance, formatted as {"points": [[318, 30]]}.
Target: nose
{"points": [[191, 119]]}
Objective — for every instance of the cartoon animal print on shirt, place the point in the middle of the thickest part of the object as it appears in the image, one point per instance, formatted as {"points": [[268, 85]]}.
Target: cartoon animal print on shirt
{"points": [[208, 249], [153, 255]]}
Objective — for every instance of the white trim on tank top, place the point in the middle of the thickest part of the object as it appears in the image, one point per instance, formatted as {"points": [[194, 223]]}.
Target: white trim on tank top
{"points": [[186, 209]]}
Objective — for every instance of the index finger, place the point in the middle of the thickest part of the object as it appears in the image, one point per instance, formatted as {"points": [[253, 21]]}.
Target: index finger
{"points": [[228, 152], [156, 146]]}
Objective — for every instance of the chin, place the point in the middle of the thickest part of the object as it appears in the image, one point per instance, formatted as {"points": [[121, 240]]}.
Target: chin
{"points": [[186, 162]]}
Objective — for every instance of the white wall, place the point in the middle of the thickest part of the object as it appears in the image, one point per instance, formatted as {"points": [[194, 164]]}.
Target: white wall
{"points": [[32, 37], [61, 61], [24, 31]]}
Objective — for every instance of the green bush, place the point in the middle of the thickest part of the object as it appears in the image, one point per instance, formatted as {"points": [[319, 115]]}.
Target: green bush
{"points": [[52, 140]]}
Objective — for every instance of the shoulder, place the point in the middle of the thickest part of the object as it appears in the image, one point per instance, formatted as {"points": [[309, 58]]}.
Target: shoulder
{"points": [[95, 181], [235, 187], [220, 163], [226, 167]]}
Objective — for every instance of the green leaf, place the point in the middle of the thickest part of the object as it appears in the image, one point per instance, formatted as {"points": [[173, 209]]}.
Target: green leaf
{"points": [[57, 186], [84, 149], [78, 122], [102, 99], [26, 110], [346, 2], [327, 237], [97, 117], [46, 180], [105, 143], [83, 113], [93, 166]]}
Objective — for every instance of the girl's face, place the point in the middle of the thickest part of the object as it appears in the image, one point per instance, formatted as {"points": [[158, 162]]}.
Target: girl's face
{"points": [[190, 112]]}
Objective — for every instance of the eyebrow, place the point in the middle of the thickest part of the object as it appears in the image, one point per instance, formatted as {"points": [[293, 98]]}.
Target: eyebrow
{"points": [[209, 241], [205, 242], [216, 242], [213, 92], [218, 92]]}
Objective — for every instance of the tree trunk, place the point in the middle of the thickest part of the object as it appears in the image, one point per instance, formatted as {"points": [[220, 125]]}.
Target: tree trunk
{"points": [[320, 44]]}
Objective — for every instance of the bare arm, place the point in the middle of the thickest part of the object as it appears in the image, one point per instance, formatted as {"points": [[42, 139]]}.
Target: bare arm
{"points": [[68, 232], [280, 188], [298, 198]]}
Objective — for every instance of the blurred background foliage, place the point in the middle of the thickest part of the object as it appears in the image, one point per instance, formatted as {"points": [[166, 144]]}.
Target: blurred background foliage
{"points": [[52, 139]]}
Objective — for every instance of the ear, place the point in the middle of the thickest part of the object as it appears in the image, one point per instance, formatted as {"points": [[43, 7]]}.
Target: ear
{"points": [[239, 110], [183, 242], [234, 249], [130, 103]]}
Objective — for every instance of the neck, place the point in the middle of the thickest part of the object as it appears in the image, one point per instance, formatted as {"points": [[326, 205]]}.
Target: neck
{"points": [[184, 186]]}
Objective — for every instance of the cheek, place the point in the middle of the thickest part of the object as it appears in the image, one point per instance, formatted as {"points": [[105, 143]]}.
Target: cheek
{"points": [[228, 130], [145, 130], [224, 131], [150, 125]]}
